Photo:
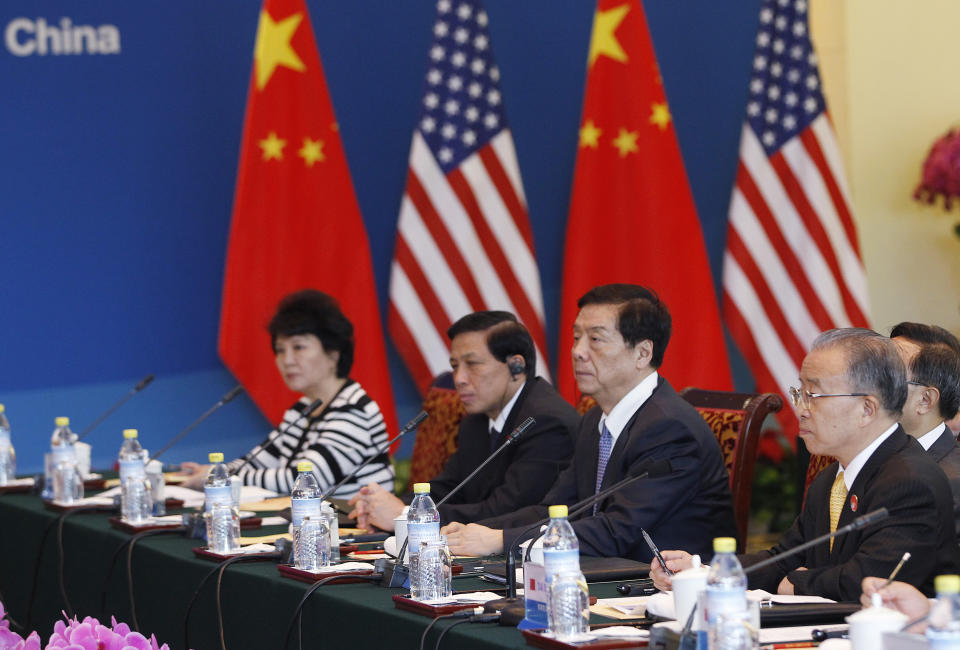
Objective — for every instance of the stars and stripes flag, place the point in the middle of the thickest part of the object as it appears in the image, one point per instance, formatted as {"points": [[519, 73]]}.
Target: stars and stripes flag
{"points": [[464, 241], [792, 265]]}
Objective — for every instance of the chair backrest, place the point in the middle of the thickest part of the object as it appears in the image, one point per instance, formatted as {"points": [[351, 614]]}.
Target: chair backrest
{"points": [[437, 435], [584, 404], [736, 420], [817, 464]]}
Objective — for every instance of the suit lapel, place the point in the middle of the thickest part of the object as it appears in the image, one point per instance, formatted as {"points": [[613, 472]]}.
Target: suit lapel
{"points": [[512, 420], [942, 446], [614, 464], [893, 444]]}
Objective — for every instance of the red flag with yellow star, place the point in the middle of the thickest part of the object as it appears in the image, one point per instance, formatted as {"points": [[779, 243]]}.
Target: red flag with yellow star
{"points": [[632, 216], [296, 223]]}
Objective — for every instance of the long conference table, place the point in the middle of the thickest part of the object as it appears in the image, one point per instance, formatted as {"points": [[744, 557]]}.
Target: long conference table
{"points": [[257, 601]]}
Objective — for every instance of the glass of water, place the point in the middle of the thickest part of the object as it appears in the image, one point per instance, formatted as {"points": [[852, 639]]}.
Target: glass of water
{"points": [[435, 569]]}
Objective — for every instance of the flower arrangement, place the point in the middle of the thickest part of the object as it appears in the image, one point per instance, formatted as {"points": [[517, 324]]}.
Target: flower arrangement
{"points": [[72, 634], [941, 171]]}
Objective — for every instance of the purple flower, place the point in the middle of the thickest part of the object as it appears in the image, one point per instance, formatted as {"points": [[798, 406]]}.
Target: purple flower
{"points": [[13, 641], [92, 635]]}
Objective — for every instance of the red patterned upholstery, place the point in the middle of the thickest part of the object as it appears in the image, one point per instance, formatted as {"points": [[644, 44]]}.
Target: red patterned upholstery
{"points": [[817, 464], [585, 404], [437, 436], [736, 419]]}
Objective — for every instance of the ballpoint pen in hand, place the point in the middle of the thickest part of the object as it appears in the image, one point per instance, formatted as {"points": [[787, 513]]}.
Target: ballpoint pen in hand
{"points": [[896, 569]]}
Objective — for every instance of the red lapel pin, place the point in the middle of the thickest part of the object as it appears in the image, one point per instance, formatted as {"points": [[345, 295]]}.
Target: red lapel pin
{"points": [[853, 502]]}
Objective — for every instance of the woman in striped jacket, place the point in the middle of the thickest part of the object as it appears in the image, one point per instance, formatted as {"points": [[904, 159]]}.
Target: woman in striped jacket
{"points": [[313, 347]]}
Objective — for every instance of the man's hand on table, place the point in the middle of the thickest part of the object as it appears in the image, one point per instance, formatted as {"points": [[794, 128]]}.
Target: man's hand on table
{"points": [[472, 539]]}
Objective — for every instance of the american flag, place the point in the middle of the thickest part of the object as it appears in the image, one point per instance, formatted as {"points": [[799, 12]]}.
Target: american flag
{"points": [[792, 265], [464, 242]]}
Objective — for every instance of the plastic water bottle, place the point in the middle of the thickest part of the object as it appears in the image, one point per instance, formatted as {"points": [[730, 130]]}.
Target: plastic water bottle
{"points": [[305, 502], [217, 491], [567, 594], [8, 457], [727, 599], [943, 629], [561, 550], [131, 456], [67, 482], [136, 502], [568, 605], [423, 524]]}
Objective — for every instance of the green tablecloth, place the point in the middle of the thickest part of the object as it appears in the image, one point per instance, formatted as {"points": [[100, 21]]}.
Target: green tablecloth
{"points": [[257, 600]]}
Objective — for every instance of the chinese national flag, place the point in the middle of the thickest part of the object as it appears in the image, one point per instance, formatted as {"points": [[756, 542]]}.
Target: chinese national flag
{"points": [[632, 217], [296, 223]]}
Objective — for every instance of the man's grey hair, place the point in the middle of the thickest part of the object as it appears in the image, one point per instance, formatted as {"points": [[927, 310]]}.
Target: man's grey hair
{"points": [[873, 365]]}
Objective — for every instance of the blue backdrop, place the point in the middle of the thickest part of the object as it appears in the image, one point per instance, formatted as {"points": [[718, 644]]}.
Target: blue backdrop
{"points": [[119, 169]]}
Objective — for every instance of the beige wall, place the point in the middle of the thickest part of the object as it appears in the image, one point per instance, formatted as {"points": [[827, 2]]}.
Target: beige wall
{"points": [[889, 72]]}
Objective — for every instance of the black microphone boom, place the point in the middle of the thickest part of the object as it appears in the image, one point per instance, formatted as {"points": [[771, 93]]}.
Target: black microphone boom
{"points": [[396, 575], [653, 469], [687, 640], [143, 383], [521, 428], [407, 428], [863, 521], [236, 390]]}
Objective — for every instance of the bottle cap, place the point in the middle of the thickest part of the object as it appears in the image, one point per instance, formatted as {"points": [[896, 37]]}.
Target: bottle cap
{"points": [[724, 545], [216, 456], [62, 421], [557, 512], [304, 466], [421, 488], [2, 408], [129, 434], [947, 584]]}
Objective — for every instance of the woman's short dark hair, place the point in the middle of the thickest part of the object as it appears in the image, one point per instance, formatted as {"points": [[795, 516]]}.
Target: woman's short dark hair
{"points": [[642, 316], [313, 312], [506, 337]]}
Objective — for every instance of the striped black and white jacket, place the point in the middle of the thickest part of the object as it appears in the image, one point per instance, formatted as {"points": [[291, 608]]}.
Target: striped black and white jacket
{"points": [[347, 432]]}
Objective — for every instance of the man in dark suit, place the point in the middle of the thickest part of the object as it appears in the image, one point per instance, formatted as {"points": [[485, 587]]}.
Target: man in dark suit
{"points": [[852, 390], [933, 397], [494, 372], [620, 336], [921, 333]]}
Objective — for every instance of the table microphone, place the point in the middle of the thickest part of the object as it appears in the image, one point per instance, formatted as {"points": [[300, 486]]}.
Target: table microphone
{"points": [[236, 390], [686, 636], [407, 428], [653, 469], [860, 522], [143, 383], [395, 572], [285, 427]]}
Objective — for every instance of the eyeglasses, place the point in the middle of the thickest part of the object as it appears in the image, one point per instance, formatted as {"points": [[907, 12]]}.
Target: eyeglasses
{"points": [[803, 398], [917, 383]]}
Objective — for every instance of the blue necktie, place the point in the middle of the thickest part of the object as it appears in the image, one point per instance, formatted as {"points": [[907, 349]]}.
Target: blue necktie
{"points": [[606, 444]]}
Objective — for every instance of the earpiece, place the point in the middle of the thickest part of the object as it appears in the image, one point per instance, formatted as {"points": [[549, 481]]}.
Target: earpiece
{"points": [[516, 367]]}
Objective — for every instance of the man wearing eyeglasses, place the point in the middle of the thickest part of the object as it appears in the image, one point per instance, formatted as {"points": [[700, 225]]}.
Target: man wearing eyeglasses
{"points": [[933, 397], [921, 334], [852, 390]]}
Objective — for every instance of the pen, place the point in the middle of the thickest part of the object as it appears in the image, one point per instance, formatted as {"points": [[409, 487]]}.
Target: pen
{"points": [[656, 552], [896, 569]]}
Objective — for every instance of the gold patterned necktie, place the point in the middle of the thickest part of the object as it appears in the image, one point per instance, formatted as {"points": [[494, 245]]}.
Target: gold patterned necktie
{"points": [[838, 495]]}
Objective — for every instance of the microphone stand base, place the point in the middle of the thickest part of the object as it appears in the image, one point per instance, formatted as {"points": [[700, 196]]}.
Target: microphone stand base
{"points": [[512, 610], [394, 574]]}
